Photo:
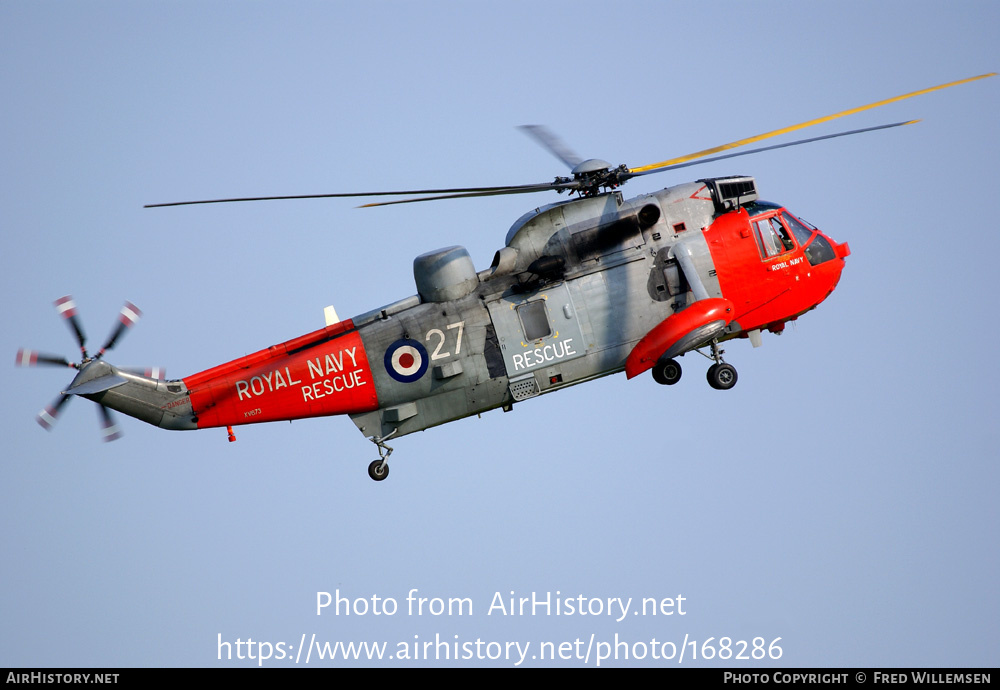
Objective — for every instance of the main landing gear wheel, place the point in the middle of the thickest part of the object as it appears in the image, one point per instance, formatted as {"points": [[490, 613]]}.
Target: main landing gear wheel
{"points": [[378, 470], [667, 372], [722, 376]]}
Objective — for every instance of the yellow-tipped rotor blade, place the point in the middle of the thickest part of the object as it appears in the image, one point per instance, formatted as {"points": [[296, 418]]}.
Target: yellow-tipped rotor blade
{"points": [[803, 125]]}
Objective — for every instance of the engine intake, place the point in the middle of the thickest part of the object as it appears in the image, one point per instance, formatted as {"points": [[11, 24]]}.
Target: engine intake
{"points": [[445, 274]]}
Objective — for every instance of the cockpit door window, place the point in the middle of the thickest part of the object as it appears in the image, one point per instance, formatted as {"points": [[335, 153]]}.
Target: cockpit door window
{"points": [[772, 237]]}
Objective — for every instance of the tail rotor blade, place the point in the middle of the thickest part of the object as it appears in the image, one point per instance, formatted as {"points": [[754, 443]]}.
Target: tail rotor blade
{"points": [[47, 417], [97, 384], [158, 373], [110, 431], [33, 358], [67, 309], [126, 319]]}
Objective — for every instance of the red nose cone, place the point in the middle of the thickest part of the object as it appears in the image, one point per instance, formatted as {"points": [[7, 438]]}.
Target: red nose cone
{"points": [[843, 251]]}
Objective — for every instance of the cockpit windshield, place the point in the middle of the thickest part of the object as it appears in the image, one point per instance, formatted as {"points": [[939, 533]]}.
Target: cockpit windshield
{"points": [[774, 233], [801, 232], [819, 250]]}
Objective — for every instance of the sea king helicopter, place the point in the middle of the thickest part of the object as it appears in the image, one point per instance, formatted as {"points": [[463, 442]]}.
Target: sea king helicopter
{"points": [[582, 288]]}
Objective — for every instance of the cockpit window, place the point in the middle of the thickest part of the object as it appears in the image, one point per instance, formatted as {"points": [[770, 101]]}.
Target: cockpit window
{"points": [[755, 208], [807, 224], [782, 233], [801, 232], [819, 251], [772, 237]]}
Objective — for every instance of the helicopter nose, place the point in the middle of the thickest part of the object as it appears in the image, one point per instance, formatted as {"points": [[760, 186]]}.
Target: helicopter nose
{"points": [[826, 259]]}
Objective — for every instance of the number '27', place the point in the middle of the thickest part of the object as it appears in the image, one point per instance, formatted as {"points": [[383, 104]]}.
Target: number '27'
{"points": [[437, 333]]}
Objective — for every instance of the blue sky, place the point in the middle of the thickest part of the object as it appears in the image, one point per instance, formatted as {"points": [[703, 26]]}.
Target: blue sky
{"points": [[841, 497]]}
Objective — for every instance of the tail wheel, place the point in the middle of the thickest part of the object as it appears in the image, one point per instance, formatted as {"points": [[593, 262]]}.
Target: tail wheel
{"points": [[378, 470]]}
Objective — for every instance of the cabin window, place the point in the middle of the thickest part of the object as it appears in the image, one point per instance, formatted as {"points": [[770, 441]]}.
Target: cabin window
{"points": [[534, 320]]}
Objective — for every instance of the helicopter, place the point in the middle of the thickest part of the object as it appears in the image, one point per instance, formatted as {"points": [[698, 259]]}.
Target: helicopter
{"points": [[583, 288]]}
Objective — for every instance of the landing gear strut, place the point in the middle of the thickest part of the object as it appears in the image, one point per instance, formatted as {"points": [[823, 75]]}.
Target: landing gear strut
{"points": [[721, 376], [379, 469]]}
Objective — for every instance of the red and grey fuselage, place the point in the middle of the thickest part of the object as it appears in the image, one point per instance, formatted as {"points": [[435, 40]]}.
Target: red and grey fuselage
{"points": [[582, 289]]}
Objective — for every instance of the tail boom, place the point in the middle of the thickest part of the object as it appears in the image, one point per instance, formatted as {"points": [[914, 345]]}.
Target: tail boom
{"points": [[322, 373]]}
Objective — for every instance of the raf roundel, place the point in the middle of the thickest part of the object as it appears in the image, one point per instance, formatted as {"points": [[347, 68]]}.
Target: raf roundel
{"points": [[406, 360]]}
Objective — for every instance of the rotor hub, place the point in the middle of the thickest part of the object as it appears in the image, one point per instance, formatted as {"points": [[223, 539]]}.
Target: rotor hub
{"points": [[590, 166], [594, 174]]}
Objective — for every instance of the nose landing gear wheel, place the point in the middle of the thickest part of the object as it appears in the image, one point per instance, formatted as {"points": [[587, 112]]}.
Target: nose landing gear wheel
{"points": [[722, 376], [378, 470]]}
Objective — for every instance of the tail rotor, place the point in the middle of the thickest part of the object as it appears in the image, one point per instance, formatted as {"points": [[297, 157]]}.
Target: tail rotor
{"points": [[66, 308]]}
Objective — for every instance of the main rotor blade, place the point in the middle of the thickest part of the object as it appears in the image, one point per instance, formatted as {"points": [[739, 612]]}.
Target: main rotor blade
{"points": [[498, 191], [32, 358], [801, 125], [477, 191], [630, 175], [556, 146]]}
